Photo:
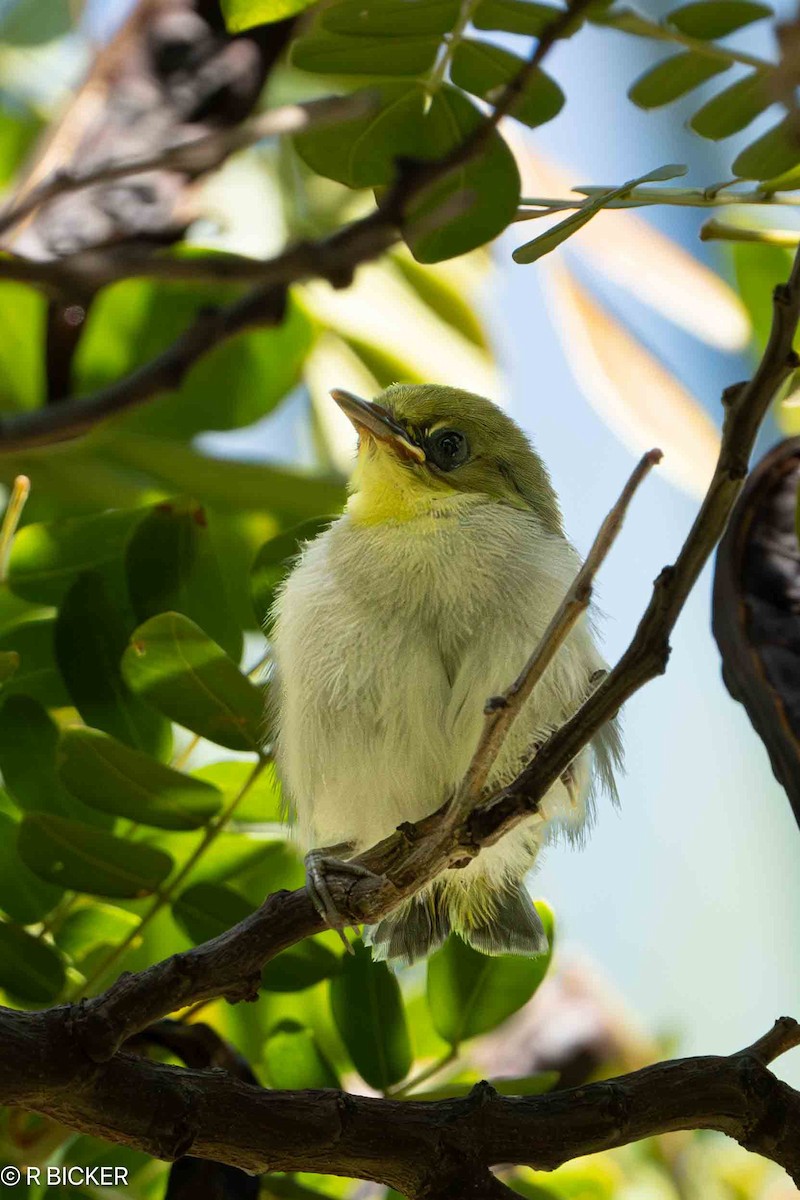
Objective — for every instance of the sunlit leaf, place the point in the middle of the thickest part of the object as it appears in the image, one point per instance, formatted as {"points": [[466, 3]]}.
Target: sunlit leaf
{"points": [[29, 969], [244, 14], [294, 1060], [734, 108], [436, 287], [470, 993], [364, 152], [391, 18], [367, 1007], [674, 77], [92, 928], [261, 804], [75, 856], [481, 68], [174, 666], [338, 54], [110, 776], [171, 566], [774, 153], [485, 189], [46, 559], [709, 19], [23, 313], [517, 16], [91, 634]]}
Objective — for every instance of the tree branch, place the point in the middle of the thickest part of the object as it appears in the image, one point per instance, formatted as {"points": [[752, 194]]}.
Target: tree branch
{"points": [[334, 258], [437, 1150], [230, 964], [195, 156]]}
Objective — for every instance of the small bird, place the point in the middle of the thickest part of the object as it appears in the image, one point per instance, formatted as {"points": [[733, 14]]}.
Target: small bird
{"points": [[395, 626]]}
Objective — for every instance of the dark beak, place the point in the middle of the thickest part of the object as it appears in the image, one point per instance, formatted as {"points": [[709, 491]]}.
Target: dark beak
{"points": [[374, 420]]}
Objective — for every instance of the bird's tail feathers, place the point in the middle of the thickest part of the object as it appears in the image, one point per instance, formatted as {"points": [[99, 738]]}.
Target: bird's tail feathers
{"points": [[422, 924], [514, 927], [415, 929]]}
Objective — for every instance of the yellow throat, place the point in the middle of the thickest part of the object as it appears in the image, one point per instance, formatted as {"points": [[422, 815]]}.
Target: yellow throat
{"points": [[384, 489]]}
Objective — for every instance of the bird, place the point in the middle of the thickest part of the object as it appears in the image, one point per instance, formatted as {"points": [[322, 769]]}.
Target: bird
{"points": [[390, 632]]}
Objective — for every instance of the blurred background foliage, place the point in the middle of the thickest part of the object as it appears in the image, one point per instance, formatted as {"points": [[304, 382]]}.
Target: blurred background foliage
{"points": [[140, 812]]}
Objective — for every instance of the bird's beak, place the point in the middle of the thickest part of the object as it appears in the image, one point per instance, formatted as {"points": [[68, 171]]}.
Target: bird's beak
{"points": [[374, 420]]}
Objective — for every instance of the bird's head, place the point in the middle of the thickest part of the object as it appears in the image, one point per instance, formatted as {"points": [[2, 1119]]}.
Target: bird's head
{"points": [[421, 445]]}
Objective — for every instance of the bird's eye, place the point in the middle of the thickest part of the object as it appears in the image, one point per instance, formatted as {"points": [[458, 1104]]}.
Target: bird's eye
{"points": [[448, 448]]}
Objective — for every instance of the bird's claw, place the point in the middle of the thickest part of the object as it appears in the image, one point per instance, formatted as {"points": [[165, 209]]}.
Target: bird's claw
{"points": [[317, 864]]}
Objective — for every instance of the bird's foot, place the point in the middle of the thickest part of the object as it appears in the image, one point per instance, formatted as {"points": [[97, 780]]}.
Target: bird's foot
{"points": [[318, 863]]}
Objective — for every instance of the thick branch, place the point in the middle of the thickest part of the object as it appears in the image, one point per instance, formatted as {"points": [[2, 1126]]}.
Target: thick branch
{"points": [[436, 1150], [335, 259]]}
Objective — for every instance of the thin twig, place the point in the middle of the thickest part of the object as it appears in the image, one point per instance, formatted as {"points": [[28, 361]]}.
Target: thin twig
{"points": [[502, 711], [718, 231], [230, 965]]}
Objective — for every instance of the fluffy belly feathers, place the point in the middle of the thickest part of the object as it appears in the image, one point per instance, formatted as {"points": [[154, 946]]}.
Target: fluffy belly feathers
{"points": [[389, 639]]}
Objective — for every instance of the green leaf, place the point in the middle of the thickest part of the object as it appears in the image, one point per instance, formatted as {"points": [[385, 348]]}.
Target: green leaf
{"points": [[205, 910], [47, 559], [367, 1007], [486, 189], [18, 132], [300, 967], [481, 68], [674, 77], [88, 860], [173, 665], [733, 109], [172, 567], [363, 152], [774, 153], [94, 928], [244, 14], [9, 664], [470, 993], [31, 643], [391, 18], [233, 385], [443, 298], [545, 242], [517, 16], [338, 54], [109, 776], [274, 560], [29, 969], [28, 749], [227, 486], [32, 22], [628, 20], [261, 805], [758, 271], [91, 634], [23, 897], [293, 1060], [23, 314], [709, 19]]}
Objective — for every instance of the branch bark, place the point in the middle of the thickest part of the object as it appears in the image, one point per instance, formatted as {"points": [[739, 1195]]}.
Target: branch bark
{"points": [[437, 1150], [334, 259], [230, 964]]}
